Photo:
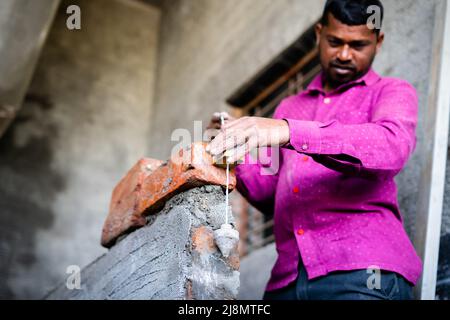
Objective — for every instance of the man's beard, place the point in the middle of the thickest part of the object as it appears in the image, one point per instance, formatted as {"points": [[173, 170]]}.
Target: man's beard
{"points": [[338, 73]]}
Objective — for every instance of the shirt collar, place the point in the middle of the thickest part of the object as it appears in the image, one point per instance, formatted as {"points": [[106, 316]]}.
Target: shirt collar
{"points": [[370, 78]]}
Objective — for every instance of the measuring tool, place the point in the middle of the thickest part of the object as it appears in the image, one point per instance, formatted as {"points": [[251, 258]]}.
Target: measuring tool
{"points": [[226, 237]]}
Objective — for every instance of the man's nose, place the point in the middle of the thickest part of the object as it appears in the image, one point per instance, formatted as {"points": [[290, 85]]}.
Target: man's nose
{"points": [[345, 53]]}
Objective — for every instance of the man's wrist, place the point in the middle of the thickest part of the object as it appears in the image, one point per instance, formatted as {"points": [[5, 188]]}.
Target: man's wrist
{"points": [[284, 133]]}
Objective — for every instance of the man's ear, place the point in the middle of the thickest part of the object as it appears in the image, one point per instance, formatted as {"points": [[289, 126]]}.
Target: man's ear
{"points": [[380, 41], [318, 29]]}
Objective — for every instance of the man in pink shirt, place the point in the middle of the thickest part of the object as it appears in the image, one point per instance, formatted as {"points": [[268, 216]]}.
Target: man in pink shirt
{"points": [[338, 230]]}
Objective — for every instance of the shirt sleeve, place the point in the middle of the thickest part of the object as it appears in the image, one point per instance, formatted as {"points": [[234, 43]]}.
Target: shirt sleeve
{"points": [[378, 149], [257, 179]]}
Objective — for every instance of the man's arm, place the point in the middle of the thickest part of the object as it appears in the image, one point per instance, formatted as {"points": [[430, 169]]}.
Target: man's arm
{"points": [[378, 149], [257, 182]]}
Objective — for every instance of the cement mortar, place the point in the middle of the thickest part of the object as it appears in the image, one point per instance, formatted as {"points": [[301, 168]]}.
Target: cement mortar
{"points": [[158, 261]]}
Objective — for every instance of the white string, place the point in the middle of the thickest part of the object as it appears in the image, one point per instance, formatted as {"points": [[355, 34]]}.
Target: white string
{"points": [[226, 193], [222, 120]]}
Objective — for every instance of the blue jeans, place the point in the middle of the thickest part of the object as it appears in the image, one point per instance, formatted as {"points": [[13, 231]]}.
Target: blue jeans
{"points": [[344, 285]]}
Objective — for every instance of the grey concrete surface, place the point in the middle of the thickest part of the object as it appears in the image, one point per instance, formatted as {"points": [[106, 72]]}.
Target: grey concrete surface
{"points": [[24, 26], [255, 272], [159, 262], [209, 48], [84, 123], [147, 264], [407, 54]]}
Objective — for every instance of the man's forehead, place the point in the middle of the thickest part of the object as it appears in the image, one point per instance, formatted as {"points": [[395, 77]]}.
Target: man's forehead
{"points": [[342, 31]]}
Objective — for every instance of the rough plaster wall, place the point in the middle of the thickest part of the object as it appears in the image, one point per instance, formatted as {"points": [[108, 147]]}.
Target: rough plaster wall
{"points": [[19, 54], [212, 277], [209, 48], [253, 283], [407, 55], [84, 124], [160, 261]]}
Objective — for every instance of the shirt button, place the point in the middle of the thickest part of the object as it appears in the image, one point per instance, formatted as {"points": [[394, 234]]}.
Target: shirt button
{"points": [[300, 232], [296, 190], [327, 100]]}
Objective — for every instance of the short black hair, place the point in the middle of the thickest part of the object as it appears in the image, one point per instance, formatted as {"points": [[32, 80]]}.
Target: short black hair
{"points": [[351, 12]]}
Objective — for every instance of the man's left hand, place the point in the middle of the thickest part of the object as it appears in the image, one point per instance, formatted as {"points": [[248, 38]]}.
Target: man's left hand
{"points": [[239, 137]]}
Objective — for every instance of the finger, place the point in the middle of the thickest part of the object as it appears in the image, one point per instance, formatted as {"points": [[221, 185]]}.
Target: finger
{"points": [[234, 123], [233, 138], [241, 123], [226, 140], [237, 154], [210, 134], [241, 151], [216, 143]]}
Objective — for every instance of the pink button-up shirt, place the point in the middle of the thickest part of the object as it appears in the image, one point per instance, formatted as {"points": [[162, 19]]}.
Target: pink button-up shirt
{"points": [[334, 197]]}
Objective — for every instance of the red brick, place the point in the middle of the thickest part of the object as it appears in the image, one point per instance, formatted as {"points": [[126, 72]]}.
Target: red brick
{"points": [[234, 260], [150, 183], [203, 240]]}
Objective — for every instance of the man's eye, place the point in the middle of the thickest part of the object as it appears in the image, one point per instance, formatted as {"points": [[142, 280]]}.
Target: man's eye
{"points": [[358, 46], [333, 43]]}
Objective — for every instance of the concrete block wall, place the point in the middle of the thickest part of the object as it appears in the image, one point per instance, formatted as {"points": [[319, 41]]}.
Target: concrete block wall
{"points": [[150, 183], [163, 230], [173, 257]]}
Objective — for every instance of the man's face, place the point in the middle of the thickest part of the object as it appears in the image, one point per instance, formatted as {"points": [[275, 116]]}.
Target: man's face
{"points": [[346, 52]]}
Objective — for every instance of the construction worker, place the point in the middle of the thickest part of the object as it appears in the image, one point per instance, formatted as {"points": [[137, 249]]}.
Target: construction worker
{"points": [[338, 229]]}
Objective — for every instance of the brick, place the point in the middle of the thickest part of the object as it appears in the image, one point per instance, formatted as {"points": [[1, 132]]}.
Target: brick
{"points": [[234, 259], [203, 240], [150, 183], [189, 293]]}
